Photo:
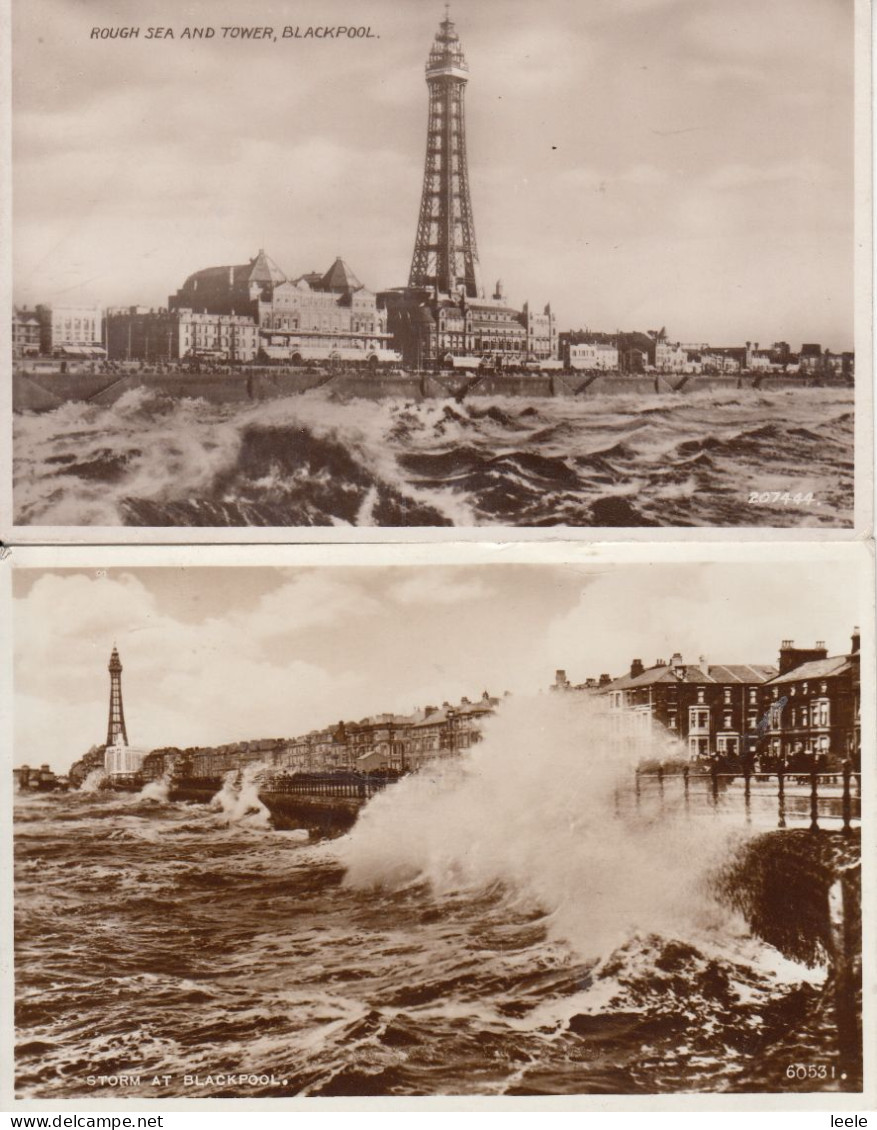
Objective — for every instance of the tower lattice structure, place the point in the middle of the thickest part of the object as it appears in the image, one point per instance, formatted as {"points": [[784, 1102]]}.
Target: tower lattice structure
{"points": [[445, 252], [116, 732]]}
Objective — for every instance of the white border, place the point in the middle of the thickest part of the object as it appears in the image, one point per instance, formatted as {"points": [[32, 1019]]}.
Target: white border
{"points": [[863, 510], [608, 554]]}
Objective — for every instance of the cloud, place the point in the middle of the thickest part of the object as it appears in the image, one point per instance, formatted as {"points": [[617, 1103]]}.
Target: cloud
{"points": [[185, 683], [436, 587], [747, 616], [312, 600]]}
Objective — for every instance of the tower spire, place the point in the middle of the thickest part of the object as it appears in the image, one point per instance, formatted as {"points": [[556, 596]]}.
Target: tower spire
{"points": [[116, 732], [445, 253]]}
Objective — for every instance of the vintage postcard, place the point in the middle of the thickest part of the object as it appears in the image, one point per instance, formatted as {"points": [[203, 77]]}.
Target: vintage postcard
{"points": [[325, 272], [381, 824]]}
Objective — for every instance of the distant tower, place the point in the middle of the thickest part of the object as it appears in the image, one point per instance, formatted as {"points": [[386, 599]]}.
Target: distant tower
{"points": [[445, 253], [116, 733]]}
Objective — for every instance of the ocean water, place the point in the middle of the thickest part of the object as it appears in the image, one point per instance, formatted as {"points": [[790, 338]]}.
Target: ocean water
{"points": [[486, 928], [706, 459]]}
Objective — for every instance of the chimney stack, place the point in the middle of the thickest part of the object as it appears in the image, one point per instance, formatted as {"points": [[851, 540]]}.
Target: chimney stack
{"points": [[636, 668]]}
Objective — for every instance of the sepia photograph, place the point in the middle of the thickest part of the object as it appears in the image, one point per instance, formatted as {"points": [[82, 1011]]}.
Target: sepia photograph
{"points": [[489, 265], [365, 826]]}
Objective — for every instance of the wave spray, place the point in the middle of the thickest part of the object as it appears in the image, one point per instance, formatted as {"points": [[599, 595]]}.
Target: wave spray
{"points": [[156, 790], [238, 799], [544, 806], [94, 782]]}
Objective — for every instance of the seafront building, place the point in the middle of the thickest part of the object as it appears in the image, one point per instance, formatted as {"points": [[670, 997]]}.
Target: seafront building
{"points": [[26, 333], [136, 333], [812, 707], [711, 709], [801, 713], [51, 330], [253, 311], [43, 779]]}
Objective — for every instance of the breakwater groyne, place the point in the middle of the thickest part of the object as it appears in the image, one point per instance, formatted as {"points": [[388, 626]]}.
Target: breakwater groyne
{"points": [[42, 391]]}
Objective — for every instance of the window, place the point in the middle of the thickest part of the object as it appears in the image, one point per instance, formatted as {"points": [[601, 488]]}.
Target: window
{"points": [[698, 719]]}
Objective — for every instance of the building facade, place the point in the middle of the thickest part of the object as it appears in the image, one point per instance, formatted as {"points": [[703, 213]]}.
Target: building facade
{"points": [[382, 743], [136, 333], [26, 333], [593, 356], [670, 357], [432, 332], [316, 317], [812, 709], [704, 710], [801, 714], [71, 330]]}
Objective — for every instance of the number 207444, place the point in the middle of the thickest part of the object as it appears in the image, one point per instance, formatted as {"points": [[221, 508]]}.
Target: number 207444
{"points": [[780, 497]]}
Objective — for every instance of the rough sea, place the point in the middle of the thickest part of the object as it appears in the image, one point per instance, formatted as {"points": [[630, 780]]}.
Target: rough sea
{"points": [[748, 458], [485, 928]]}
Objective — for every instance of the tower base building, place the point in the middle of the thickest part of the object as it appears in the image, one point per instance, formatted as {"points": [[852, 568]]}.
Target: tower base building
{"points": [[435, 331]]}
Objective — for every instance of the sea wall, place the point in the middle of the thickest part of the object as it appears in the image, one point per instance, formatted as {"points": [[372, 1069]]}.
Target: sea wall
{"points": [[781, 880], [801, 892], [43, 391]]}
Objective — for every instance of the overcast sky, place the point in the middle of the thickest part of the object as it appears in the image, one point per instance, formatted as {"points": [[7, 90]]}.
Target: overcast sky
{"points": [[638, 163], [219, 654]]}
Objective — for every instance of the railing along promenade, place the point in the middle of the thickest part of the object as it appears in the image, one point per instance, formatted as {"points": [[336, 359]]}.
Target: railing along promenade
{"points": [[339, 784], [787, 796], [781, 798]]}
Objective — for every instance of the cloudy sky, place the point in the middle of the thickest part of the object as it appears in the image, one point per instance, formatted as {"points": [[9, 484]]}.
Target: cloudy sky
{"points": [[638, 163], [219, 654]]}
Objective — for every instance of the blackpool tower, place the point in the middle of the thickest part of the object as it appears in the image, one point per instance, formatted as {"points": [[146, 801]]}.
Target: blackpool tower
{"points": [[445, 252], [116, 733]]}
